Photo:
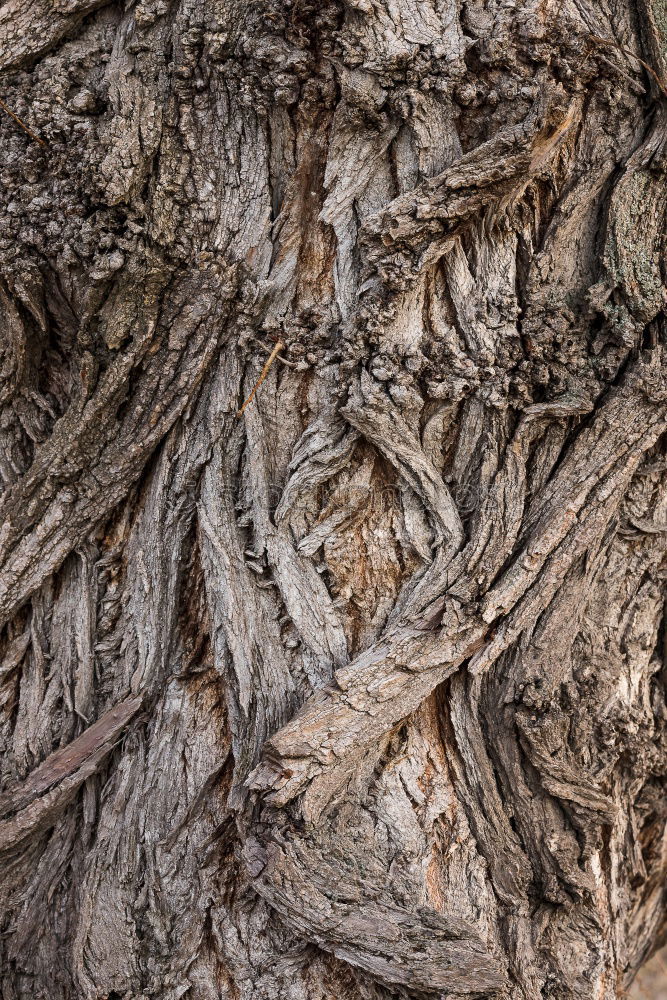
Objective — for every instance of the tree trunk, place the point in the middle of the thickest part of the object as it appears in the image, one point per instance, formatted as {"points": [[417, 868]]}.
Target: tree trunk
{"points": [[361, 693]]}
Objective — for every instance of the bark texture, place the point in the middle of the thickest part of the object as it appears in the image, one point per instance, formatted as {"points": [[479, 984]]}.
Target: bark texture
{"points": [[360, 695]]}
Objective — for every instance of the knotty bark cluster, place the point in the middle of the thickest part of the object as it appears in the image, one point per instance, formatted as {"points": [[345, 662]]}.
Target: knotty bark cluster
{"points": [[360, 695]]}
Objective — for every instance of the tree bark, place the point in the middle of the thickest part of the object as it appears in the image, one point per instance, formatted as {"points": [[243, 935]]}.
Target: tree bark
{"points": [[359, 694]]}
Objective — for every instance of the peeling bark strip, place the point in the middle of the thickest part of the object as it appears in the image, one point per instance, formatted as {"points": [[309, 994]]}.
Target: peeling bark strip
{"points": [[399, 631], [33, 804], [374, 692]]}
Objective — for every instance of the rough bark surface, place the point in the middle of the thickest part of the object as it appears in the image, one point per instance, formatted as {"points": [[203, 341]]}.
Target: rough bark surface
{"points": [[362, 694]]}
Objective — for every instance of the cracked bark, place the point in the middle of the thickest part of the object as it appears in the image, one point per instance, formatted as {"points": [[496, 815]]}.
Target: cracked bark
{"points": [[360, 695]]}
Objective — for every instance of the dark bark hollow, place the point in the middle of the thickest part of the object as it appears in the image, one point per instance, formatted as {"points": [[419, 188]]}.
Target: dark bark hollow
{"points": [[360, 694]]}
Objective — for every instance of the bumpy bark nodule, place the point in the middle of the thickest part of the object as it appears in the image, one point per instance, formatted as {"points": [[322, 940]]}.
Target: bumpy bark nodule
{"points": [[362, 694]]}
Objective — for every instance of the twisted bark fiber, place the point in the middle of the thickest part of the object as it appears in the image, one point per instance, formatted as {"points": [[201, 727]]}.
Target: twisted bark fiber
{"points": [[358, 693]]}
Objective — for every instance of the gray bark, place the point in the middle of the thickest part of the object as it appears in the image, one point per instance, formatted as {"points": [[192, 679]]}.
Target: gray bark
{"points": [[360, 694]]}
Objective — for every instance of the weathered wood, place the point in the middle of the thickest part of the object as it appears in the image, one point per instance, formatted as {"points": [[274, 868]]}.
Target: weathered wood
{"points": [[34, 803], [333, 416]]}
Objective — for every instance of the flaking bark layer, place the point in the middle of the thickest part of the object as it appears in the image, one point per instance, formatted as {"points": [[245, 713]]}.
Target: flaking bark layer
{"points": [[359, 693]]}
